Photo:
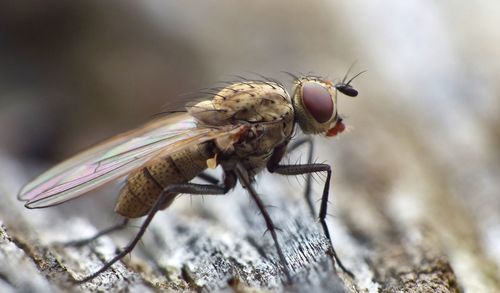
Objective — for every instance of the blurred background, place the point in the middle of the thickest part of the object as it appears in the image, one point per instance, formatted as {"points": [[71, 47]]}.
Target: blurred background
{"points": [[424, 132]]}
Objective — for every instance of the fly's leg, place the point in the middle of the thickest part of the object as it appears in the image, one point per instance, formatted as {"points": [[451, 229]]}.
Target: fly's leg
{"points": [[165, 196], [106, 231], [122, 225], [242, 176], [307, 191], [208, 178], [314, 168]]}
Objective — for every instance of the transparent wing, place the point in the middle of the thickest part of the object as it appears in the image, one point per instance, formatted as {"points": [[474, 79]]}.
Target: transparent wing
{"points": [[115, 158]]}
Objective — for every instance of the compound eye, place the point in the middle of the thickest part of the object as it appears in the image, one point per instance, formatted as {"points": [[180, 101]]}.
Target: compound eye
{"points": [[317, 101]]}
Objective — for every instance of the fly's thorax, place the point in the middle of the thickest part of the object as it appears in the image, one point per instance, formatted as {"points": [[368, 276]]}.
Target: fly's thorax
{"points": [[244, 101], [144, 186], [315, 105], [262, 138], [263, 108], [257, 144]]}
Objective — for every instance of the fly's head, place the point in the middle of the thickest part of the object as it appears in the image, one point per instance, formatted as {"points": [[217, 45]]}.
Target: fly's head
{"points": [[315, 104]]}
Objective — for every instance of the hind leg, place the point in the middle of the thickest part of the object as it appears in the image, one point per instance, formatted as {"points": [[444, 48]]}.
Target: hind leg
{"points": [[109, 230], [165, 196], [123, 224]]}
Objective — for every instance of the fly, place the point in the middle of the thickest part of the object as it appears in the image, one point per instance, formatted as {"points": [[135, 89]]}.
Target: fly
{"points": [[244, 127]]}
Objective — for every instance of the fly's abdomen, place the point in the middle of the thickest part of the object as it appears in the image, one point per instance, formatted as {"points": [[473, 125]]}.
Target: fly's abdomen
{"points": [[144, 186]]}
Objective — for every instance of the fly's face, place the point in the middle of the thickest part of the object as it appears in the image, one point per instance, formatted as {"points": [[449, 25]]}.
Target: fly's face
{"points": [[315, 105]]}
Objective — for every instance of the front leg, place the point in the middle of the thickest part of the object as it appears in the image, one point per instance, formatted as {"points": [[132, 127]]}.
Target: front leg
{"points": [[309, 169], [286, 148]]}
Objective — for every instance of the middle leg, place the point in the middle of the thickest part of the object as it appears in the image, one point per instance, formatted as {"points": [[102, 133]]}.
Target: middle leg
{"points": [[242, 176], [314, 168]]}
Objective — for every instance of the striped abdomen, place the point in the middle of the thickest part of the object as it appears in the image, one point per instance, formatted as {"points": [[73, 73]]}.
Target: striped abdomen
{"points": [[144, 186]]}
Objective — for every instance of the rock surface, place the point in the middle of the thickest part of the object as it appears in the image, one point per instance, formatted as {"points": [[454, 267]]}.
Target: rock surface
{"points": [[216, 244]]}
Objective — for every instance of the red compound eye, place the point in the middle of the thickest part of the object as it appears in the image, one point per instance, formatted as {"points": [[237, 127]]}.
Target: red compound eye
{"points": [[318, 101]]}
